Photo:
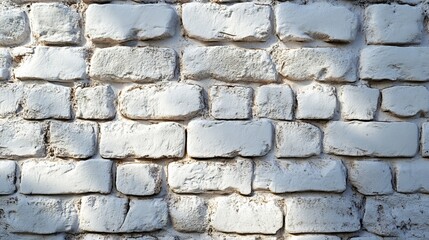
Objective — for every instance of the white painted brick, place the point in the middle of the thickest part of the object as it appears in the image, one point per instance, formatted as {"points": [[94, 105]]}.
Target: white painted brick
{"points": [[322, 213], [30, 1], [127, 22], [55, 23], [208, 139], [5, 63], [316, 102], [58, 64], [139, 179], [145, 215], [393, 24], [380, 139], [400, 216], [204, 176], [230, 64], [10, 99], [95, 103], [172, 101], [7, 177], [313, 237], [128, 64], [297, 139], [256, 214], [21, 139], [274, 101], [74, 140], [188, 213], [230, 102], [425, 140], [280, 176], [411, 176], [127, 139], [371, 177], [320, 64], [405, 101], [394, 63], [44, 101], [66, 177], [14, 27], [317, 21], [236, 22], [358, 102]]}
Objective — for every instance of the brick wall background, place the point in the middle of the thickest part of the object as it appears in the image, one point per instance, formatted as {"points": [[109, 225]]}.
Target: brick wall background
{"points": [[301, 120]]}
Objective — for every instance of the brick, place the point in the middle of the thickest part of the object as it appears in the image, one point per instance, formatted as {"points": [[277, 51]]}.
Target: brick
{"points": [[317, 21], [5, 64], [146, 215], [316, 102], [379, 139], [322, 213], [275, 102], [21, 139], [280, 176], [391, 216], [358, 102], [411, 176], [128, 64], [230, 102], [30, 1], [393, 24], [74, 140], [11, 96], [95, 103], [123, 139], [206, 176], [131, 22], [139, 179], [55, 24], [58, 64], [14, 27], [45, 101], [208, 139], [7, 177], [405, 101], [394, 63], [188, 213], [66, 177], [237, 22], [229, 64], [371, 177], [171, 101], [256, 214], [313, 237], [425, 139], [320, 64], [297, 139]]}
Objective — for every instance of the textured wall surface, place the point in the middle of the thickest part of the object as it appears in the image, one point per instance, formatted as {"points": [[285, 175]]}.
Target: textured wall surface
{"points": [[300, 120]]}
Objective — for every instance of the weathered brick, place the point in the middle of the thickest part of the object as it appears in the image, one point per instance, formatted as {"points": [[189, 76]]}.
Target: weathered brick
{"points": [[358, 102], [66, 177], [208, 139], [21, 139], [14, 27], [237, 22], [256, 214], [124, 139], [393, 24], [274, 101], [371, 177], [297, 139], [230, 102], [381, 139], [7, 177], [172, 101], [316, 102], [230, 64], [139, 179], [55, 24], [394, 63], [130, 22], [128, 64], [11, 96], [317, 21], [280, 176], [405, 101], [204, 176], [58, 64], [411, 176], [44, 101], [320, 64], [188, 213], [313, 237], [5, 63], [425, 139], [95, 103]]}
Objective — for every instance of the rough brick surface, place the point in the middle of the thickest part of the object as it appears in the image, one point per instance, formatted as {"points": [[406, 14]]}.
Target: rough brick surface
{"points": [[411, 176], [97, 103], [14, 27], [358, 103], [5, 62], [405, 101], [21, 139], [189, 213], [230, 102], [274, 101], [138, 179], [7, 177], [297, 139], [371, 177], [11, 96], [316, 102]]}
